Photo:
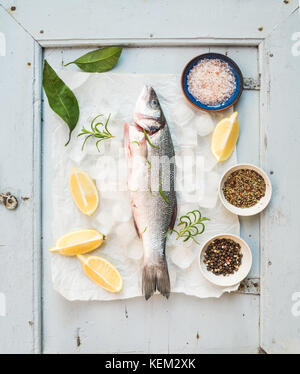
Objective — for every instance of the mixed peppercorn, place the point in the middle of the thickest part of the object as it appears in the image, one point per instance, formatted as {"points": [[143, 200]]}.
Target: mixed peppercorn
{"points": [[223, 256], [244, 188]]}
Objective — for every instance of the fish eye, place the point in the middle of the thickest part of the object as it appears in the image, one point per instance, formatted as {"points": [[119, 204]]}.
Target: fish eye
{"points": [[154, 103]]}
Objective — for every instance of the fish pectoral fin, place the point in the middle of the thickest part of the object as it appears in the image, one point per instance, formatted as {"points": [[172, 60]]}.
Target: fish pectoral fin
{"points": [[156, 277]]}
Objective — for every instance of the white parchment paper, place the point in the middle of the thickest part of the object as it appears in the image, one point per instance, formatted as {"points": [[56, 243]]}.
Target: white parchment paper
{"points": [[116, 94]]}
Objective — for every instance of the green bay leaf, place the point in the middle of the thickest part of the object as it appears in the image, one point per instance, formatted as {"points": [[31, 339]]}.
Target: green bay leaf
{"points": [[98, 61], [60, 98]]}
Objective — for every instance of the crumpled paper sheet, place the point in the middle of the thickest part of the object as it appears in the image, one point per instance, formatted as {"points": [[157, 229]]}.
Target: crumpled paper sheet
{"points": [[116, 94]]}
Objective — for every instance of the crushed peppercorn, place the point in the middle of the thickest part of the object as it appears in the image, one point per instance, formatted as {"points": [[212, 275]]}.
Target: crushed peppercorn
{"points": [[223, 256], [244, 188]]}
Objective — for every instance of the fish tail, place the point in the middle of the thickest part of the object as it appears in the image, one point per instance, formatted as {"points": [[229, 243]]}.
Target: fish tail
{"points": [[156, 277]]}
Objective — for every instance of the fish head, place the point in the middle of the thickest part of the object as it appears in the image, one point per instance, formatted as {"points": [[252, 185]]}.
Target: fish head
{"points": [[148, 113]]}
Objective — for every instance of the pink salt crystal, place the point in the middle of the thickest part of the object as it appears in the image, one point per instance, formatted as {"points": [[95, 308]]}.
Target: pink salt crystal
{"points": [[211, 81]]}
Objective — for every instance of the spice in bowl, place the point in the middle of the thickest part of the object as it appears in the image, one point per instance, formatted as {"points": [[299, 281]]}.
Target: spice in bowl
{"points": [[211, 81], [244, 188], [223, 256]]}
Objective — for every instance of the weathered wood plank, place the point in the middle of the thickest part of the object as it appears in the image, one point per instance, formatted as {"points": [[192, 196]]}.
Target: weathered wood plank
{"points": [[162, 59], [181, 324], [248, 152], [280, 135], [118, 19], [19, 98]]}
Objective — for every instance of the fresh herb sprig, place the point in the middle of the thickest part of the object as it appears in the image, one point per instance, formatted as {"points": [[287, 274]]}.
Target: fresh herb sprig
{"points": [[163, 195], [149, 141], [190, 225], [100, 134]]}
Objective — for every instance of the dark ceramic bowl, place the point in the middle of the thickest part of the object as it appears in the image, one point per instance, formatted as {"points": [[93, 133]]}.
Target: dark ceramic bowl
{"points": [[227, 103]]}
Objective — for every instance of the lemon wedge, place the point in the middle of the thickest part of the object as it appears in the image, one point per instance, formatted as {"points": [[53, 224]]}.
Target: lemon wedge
{"points": [[84, 192], [78, 242], [224, 137], [102, 272]]}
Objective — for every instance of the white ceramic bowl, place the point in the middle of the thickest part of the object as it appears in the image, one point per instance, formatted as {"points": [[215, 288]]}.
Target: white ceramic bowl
{"points": [[237, 276], [260, 205]]}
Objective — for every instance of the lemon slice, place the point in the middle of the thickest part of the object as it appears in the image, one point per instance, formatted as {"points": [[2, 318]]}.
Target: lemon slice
{"points": [[84, 192], [102, 272], [78, 242], [224, 137]]}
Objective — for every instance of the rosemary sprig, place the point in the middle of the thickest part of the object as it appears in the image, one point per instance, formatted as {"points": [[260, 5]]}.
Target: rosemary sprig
{"points": [[188, 226], [148, 140], [95, 132]]}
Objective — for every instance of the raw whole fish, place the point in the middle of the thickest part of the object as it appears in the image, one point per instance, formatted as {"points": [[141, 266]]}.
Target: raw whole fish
{"points": [[151, 177]]}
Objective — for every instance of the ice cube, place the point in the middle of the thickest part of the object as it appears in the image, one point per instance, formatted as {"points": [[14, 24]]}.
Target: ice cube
{"points": [[182, 113], [210, 162], [182, 257], [203, 123], [106, 173], [186, 136], [189, 180], [125, 232], [104, 166], [189, 197], [106, 195], [185, 156], [90, 167], [210, 195], [203, 152], [122, 175], [185, 170], [105, 221], [187, 243], [178, 182], [116, 121], [121, 210], [174, 241], [134, 249]]}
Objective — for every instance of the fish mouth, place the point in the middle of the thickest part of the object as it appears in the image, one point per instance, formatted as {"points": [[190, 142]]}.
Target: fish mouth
{"points": [[146, 123], [148, 113]]}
